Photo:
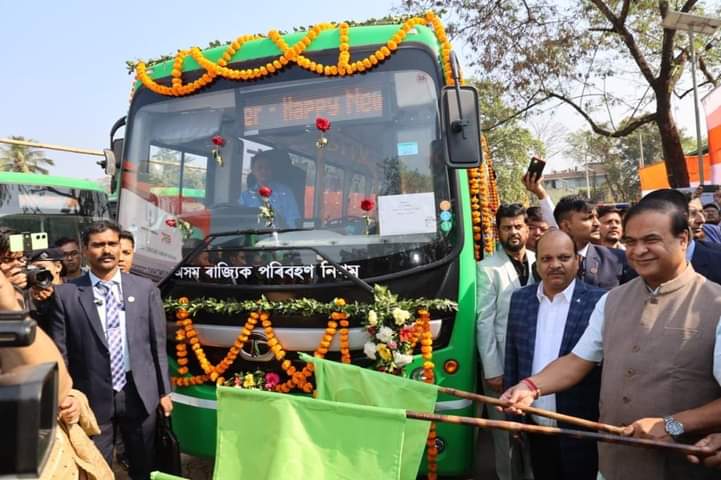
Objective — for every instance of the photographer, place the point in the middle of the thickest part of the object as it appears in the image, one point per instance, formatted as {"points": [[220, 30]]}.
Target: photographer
{"points": [[73, 454], [44, 273]]}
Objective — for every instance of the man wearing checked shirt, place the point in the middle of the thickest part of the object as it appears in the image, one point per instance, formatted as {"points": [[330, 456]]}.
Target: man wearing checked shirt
{"points": [[658, 337]]}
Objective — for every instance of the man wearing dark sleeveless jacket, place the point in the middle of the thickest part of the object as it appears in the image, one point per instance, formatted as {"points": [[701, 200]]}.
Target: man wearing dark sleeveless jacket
{"points": [[658, 338]]}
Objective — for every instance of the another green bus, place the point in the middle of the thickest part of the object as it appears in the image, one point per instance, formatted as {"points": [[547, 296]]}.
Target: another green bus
{"points": [[381, 192], [59, 206]]}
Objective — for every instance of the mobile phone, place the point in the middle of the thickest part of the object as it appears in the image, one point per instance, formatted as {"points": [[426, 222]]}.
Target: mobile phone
{"points": [[535, 168]]}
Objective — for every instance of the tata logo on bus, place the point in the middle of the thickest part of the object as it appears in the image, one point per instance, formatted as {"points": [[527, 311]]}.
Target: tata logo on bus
{"points": [[256, 348]]}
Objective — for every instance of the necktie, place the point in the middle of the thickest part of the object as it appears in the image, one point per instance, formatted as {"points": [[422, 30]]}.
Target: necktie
{"points": [[114, 335], [581, 266]]}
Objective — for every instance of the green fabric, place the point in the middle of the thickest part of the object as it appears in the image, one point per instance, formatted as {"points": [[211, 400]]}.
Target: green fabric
{"points": [[340, 382], [164, 476], [265, 435]]}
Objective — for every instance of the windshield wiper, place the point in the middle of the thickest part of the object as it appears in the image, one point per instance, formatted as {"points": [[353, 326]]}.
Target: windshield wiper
{"points": [[359, 282]]}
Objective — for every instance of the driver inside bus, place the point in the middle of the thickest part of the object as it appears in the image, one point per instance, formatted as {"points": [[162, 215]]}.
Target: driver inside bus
{"points": [[263, 173]]}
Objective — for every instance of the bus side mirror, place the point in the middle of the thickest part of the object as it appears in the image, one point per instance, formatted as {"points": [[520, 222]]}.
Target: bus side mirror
{"points": [[460, 116], [108, 163]]}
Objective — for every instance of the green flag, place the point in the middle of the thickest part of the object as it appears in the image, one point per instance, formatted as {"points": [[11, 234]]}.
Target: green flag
{"points": [[264, 435], [341, 382]]}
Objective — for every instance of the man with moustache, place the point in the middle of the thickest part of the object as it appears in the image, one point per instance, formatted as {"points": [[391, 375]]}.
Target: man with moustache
{"points": [[110, 328], [609, 219], [658, 337], [498, 275], [544, 322]]}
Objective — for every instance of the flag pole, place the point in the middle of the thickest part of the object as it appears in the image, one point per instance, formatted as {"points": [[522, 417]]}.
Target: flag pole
{"points": [[580, 422], [582, 434]]}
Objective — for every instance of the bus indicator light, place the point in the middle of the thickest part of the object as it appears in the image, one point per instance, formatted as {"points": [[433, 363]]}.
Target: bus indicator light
{"points": [[451, 366]]}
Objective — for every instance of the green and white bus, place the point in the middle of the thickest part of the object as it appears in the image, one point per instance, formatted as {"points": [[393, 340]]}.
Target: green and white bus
{"points": [[396, 139], [59, 206]]}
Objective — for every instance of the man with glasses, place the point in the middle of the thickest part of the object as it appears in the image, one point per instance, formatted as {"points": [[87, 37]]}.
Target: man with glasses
{"points": [[72, 261]]}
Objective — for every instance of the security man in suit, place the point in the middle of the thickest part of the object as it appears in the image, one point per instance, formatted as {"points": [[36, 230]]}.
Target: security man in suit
{"points": [[544, 322], [498, 276], [110, 328]]}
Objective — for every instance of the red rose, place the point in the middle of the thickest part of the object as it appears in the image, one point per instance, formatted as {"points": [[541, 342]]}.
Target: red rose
{"points": [[367, 205], [322, 124], [265, 191], [218, 140], [171, 222]]}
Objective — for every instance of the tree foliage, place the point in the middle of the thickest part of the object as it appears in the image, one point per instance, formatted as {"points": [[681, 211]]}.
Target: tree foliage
{"points": [[24, 159], [610, 61], [511, 144], [618, 157]]}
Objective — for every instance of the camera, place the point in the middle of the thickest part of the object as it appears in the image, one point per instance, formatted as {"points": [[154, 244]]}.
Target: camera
{"points": [[38, 277], [28, 403]]}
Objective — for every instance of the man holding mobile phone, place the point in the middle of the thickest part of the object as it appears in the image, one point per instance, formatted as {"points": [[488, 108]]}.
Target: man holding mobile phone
{"points": [[599, 266]]}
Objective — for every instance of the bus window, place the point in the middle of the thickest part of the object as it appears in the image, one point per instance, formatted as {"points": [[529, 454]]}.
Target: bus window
{"points": [[308, 166], [332, 193], [358, 192]]}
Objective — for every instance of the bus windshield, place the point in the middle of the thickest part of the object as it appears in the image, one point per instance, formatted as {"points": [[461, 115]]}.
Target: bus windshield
{"points": [[58, 211], [355, 165]]}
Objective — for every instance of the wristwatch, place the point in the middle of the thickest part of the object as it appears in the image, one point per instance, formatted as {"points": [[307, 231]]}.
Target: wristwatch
{"points": [[673, 427]]}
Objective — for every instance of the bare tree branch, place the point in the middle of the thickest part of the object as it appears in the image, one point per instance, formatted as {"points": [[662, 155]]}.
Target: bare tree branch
{"points": [[680, 96], [688, 5], [616, 133], [624, 11], [628, 39], [529, 105], [706, 72]]}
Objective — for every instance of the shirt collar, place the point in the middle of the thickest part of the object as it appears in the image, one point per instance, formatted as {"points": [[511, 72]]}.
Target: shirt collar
{"points": [[690, 249], [584, 251], [567, 294], [116, 278]]}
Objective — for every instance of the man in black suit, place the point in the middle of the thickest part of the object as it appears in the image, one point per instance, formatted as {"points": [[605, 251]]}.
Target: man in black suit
{"points": [[599, 266], [110, 328]]}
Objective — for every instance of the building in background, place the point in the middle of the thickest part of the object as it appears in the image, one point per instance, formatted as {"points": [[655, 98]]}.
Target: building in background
{"points": [[575, 181]]}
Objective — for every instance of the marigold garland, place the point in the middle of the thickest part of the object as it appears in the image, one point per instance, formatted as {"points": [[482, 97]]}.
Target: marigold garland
{"points": [[490, 201], [293, 54], [484, 204], [297, 379]]}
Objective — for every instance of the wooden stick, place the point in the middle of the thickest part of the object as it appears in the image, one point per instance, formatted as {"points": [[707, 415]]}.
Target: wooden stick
{"points": [[582, 434], [580, 422]]}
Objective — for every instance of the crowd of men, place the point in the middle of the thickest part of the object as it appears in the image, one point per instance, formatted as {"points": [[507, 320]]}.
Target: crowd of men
{"points": [[610, 316], [108, 333]]}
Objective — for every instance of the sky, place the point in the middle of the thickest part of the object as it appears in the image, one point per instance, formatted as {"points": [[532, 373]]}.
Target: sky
{"points": [[64, 80]]}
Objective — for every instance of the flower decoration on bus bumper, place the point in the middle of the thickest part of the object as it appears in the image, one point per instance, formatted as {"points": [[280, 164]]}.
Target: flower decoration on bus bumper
{"points": [[266, 214], [367, 205], [218, 144], [322, 124]]}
